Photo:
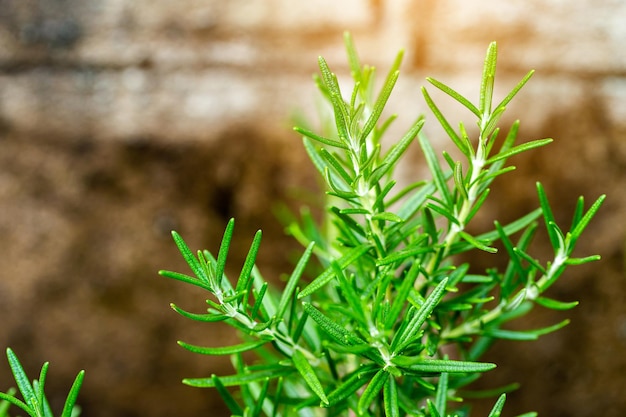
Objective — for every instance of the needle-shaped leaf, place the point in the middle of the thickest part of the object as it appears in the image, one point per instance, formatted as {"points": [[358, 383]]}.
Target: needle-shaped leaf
{"points": [[290, 288], [437, 366], [388, 216], [321, 139], [488, 78], [379, 106], [460, 143], [393, 155], [230, 402], [23, 383], [547, 215], [400, 256], [70, 401], [525, 334], [335, 330], [38, 386], [245, 378], [372, 391], [452, 93], [519, 149], [209, 317], [432, 409], [308, 374], [190, 258], [336, 165], [477, 243], [497, 408], [349, 292], [400, 300], [186, 278], [435, 168], [326, 276], [351, 384], [441, 398], [584, 221], [412, 327], [223, 350], [10, 399], [390, 397], [555, 304], [223, 252], [244, 281], [516, 89]]}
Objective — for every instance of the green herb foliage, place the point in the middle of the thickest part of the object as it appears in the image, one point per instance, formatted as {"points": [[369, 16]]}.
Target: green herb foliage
{"points": [[374, 330], [35, 403]]}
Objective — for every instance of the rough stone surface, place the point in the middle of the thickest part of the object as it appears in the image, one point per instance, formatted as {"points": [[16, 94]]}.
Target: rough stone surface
{"points": [[120, 121]]}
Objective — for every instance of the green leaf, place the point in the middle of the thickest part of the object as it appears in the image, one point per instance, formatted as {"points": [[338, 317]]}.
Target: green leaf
{"points": [[372, 391], [379, 105], [210, 317], [306, 370], [547, 215], [191, 260], [335, 164], [321, 139], [476, 243], [515, 90], [314, 156], [271, 372], [555, 304], [326, 276], [38, 386], [23, 383], [388, 216], [223, 252], [489, 74], [415, 202], [441, 398], [432, 409], [18, 403], [581, 261], [437, 366], [223, 350], [461, 144], [518, 149], [400, 256], [186, 279], [393, 155], [230, 402], [351, 384], [458, 97], [349, 292], [335, 330], [435, 168], [399, 301], [408, 332], [288, 292], [70, 401], [243, 283], [5, 405], [353, 56], [497, 408], [390, 397], [582, 224], [526, 334]]}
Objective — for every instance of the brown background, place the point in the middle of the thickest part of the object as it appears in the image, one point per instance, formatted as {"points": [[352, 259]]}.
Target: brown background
{"points": [[120, 121]]}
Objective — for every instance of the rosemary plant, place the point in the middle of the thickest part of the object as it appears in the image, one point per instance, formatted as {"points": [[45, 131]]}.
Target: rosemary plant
{"points": [[391, 323], [35, 403]]}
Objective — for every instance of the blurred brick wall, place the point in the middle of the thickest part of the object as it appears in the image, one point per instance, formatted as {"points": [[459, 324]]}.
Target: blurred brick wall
{"points": [[122, 120]]}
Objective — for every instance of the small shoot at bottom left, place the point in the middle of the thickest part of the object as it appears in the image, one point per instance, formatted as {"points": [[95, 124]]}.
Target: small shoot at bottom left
{"points": [[34, 402]]}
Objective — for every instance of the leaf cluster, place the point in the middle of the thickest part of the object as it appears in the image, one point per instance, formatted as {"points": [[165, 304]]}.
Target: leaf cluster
{"points": [[34, 402], [385, 321]]}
